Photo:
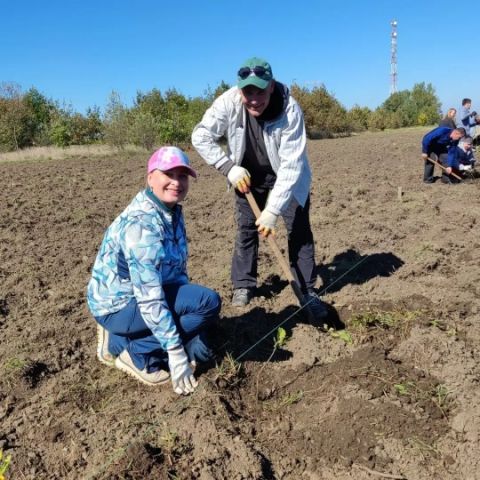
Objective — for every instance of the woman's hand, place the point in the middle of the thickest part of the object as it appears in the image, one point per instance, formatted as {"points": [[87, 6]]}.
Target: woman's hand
{"points": [[183, 381]]}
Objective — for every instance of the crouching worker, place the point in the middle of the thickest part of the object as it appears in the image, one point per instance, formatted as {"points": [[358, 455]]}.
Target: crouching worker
{"points": [[437, 145], [151, 321], [465, 160]]}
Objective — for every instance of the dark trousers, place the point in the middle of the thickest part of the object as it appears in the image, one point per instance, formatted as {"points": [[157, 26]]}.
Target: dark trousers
{"points": [[193, 307], [301, 249], [429, 169]]}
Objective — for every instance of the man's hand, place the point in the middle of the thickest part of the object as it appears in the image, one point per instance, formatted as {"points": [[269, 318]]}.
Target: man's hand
{"points": [[473, 114], [266, 223], [424, 156], [448, 170], [183, 381], [239, 178]]}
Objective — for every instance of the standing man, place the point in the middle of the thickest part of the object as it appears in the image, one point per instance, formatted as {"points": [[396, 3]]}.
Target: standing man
{"points": [[266, 155], [467, 118], [439, 143]]}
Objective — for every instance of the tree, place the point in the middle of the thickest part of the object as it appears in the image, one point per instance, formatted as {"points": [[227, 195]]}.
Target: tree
{"points": [[14, 118], [116, 121], [324, 115]]}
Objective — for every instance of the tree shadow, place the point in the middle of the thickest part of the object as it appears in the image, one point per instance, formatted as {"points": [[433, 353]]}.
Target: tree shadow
{"points": [[337, 274]]}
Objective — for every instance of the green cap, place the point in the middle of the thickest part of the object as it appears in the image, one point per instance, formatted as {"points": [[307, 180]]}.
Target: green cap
{"points": [[255, 71]]}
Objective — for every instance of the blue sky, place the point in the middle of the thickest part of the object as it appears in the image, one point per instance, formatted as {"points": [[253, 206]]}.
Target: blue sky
{"points": [[79, 51]]}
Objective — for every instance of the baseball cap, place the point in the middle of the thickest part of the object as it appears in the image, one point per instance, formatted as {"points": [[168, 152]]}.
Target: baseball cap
{"points": [[167, 158], [254, 71]]}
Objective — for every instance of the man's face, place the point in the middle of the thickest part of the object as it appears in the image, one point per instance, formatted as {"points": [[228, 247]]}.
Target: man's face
{"points": [[467, 146], [452, 113], [468, 105], [456, 135], [255, 99]]}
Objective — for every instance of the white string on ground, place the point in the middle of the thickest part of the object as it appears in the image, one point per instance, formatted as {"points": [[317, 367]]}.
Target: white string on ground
{"points": [[299, 309]]}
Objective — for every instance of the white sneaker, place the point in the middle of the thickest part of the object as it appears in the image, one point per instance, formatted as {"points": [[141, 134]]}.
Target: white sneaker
{"points": [[124, 363], [102, 347]]}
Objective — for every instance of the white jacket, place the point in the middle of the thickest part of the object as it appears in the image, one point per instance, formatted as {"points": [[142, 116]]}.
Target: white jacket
{"points": [[285, 141]]}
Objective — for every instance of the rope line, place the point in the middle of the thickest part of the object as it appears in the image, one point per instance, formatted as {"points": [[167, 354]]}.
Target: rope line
{"points": [[299, 309]]}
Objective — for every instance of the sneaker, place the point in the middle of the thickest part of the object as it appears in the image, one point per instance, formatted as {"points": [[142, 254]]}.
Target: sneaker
{"points": [[102, 347], [317, 308], [241, 297], [124, 363]]}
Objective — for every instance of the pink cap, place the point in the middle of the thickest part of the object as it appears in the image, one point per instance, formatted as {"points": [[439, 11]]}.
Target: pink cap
{"points": [[166, 158]]}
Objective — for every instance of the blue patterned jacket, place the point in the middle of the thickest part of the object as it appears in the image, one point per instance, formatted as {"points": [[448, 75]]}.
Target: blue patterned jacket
{"points": [[144, 248]]}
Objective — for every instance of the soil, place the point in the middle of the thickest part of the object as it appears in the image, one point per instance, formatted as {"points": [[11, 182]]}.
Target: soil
{"points": [[388, 385]]}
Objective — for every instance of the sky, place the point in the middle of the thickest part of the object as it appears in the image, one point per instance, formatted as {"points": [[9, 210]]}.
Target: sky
{"points": [[78, 52]]}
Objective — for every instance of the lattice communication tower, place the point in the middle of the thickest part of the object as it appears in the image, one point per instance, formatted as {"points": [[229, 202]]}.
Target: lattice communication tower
{"points": [[393, 60]]}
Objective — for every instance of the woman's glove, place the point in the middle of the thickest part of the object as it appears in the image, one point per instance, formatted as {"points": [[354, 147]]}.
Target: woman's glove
{"points": [[183, 381], [266, 223], [239, 178]]}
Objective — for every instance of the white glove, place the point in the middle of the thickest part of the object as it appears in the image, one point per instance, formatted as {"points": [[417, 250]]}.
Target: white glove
{"points": [[183, 381], [239, 178], [266, 223], [465, 167]]}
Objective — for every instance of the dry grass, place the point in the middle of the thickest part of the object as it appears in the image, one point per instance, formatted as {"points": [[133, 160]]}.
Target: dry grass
{"points": [[57, 153]]}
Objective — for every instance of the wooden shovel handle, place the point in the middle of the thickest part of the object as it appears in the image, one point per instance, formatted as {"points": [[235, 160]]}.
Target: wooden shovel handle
{"points": [[276, 250], [443, 168]]}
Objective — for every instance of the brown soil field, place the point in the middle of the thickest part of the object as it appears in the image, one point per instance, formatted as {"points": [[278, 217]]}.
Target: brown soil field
{"points": [[387, 388]]}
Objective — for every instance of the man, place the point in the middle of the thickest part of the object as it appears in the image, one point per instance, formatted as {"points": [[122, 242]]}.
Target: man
{"points": [[467, 118], [438, 144], [266, 155]]}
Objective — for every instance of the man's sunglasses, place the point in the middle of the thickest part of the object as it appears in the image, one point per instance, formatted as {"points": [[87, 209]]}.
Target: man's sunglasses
{"points": [[261, 72]]}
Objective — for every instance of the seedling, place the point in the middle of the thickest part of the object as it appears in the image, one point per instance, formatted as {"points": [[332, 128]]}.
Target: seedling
{"points": [[281, 338], [4, 464], [228, 371], [290, 399], [404, 388], [441, 394], [13, 368], [342, 335]]}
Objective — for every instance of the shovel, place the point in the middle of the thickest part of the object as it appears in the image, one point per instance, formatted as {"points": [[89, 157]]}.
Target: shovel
{"points": [[280, 258], [438, 164]]}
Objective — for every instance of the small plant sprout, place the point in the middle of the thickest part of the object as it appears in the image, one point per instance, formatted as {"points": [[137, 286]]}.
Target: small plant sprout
{"points": [[402, 388], [4, 464], [441, 394], [228, 371], [342, 335], [280, 339], [290, 399]]}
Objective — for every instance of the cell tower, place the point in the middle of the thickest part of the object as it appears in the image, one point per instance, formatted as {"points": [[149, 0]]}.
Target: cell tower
{"points": [[393, 60]]}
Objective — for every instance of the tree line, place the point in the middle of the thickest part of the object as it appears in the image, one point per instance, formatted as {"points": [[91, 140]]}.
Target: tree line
{"points": [[31, 119]]}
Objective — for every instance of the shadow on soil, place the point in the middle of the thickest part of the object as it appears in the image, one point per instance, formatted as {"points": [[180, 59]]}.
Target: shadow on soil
{"points": [[369, 266]]}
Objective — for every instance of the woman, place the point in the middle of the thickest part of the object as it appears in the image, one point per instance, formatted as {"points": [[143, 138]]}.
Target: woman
{"points": [[149, 316], [449, 119]]}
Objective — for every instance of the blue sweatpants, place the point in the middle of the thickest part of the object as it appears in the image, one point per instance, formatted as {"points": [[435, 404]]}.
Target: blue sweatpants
{"points": [[193, 307]]}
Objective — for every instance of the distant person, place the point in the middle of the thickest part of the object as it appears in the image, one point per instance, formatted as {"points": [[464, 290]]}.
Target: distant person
{"points": [[460, 162], [438, 144], [465, 156], [267, 156], [150, 318], [449, 119], [466, 119]]}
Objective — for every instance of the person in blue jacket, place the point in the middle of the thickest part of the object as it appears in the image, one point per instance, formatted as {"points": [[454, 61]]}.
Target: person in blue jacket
{"points": [[437, 144], [150, 318], [460, 161]]}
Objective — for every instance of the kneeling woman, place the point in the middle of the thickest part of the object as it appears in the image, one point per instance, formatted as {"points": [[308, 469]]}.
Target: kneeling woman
{"points": [[149, 316]]}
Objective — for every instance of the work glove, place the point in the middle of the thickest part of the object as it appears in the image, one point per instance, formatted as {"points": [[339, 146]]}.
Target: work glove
{"points": [[266, 223], [181, 373], [239, 178]]}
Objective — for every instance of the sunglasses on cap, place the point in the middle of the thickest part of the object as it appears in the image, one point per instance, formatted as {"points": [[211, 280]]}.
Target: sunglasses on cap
{"points": [[261, 72]]}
